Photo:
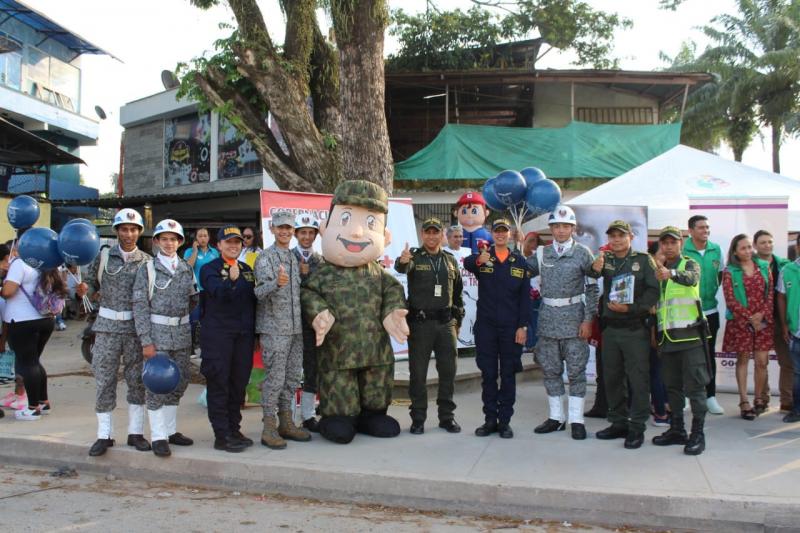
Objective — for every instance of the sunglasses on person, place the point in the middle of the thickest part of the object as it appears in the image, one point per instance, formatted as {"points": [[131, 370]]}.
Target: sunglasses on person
{"points": [[247, 237]]}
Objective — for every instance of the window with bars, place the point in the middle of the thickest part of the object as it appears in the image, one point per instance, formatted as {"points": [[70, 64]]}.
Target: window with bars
{"points": [[615, 115]]}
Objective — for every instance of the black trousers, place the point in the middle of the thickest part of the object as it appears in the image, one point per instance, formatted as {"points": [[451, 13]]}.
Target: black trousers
{"points": [[309, 360], [227, 362], [713, 325], [28, 339]]}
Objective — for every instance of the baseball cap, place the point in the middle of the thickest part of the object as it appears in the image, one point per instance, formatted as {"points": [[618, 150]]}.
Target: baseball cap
{"points": [[619, 225], [229, 232], [471, 198], [432, 222], [670, 231], [282, 218], [501, 223]]}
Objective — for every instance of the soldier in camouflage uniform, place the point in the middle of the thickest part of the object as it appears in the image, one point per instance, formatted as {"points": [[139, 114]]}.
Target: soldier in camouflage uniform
{"points": [[306, 229], [355, 306], [279, 326], [569, 304], [115, 338], [164, 294]]}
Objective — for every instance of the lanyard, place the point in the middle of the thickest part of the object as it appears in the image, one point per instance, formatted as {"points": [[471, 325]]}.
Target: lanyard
{"points": [[436, 266]]}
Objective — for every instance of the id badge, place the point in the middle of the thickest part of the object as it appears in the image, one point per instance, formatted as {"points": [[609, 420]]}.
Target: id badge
{"points": [[437, 291]]}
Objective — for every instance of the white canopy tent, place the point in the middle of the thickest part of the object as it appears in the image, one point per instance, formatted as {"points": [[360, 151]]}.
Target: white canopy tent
{"points": [[666, 183]]}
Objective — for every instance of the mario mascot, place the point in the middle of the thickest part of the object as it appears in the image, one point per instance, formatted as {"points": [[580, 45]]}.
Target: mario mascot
{"points": [[355, 306]]}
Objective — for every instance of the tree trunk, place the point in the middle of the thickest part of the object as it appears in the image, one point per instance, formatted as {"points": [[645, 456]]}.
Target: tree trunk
{"points": [[777, 128], [364, 145]]}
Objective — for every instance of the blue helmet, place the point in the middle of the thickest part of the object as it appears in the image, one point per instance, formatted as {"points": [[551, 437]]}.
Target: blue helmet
{"points": [[160, 374]]}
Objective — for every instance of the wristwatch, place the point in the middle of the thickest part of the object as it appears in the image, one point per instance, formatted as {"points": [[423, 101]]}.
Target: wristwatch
{"points": [[672, 273]]}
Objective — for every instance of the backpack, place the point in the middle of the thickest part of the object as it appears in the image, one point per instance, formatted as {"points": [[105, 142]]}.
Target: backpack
{"points": [[46, 303]]}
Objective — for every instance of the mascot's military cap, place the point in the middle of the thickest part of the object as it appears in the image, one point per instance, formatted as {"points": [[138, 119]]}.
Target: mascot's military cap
{"points": [[361, 193]]}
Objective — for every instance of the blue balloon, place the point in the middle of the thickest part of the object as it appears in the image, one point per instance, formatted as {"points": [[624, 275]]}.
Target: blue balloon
{"points": [[38, 247], [78, 244], [160, 374], [23, 212], [510, 187], [79, 221], [532, 175], [490, 196], [543, 197]]}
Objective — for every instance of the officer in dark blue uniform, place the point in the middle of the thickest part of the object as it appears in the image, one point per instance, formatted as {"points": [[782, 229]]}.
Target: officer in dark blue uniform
{"points": [[227, 338], [501, 326]]}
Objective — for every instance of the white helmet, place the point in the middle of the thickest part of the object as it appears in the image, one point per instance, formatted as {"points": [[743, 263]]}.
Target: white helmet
{"points": [[306, 220], [168, 226], [562, 214], [128, 216]]}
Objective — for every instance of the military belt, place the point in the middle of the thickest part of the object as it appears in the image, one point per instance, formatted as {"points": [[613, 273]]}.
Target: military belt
{"points": [[562, 302], [169, 320], [421, 315], [624, 323], [110, 314]]}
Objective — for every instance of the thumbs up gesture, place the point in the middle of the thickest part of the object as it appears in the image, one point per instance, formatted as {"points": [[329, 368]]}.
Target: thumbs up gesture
{"points": [[598, 263], [304, 268], [283, 277], [405, 255]]}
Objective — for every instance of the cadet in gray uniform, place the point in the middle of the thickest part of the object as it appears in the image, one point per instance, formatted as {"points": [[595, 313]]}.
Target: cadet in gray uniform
{"points": [[111, 277], [306, 229], [569, 305], [279, 325], [164, 294]]}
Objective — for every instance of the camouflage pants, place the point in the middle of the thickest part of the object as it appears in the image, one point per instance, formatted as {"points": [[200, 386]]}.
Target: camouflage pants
{"points": [[347, 392], [283, 364], [552, 353], [107, 351], [157, 401]]}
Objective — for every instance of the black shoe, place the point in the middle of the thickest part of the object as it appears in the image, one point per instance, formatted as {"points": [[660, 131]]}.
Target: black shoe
{"points": [[594, 412], [138, 442], [486, 429], [793, 416], [612, 432], [697, 440], [550, 425], [505, 431], [229, 444], [311, 425], [2, 413], [417, 427], [451, 426], [100, 446], [161, 448], [674, 435], [634, 440], [238, 435], [578, 431], [179, 439]]}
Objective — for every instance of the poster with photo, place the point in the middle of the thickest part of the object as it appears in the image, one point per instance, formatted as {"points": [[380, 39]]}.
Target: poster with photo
{"points": [[187, 150], [236, 157]]}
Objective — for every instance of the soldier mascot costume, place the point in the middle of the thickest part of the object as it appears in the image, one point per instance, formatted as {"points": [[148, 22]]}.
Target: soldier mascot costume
{"points": [[354, 305], [569, 305]]}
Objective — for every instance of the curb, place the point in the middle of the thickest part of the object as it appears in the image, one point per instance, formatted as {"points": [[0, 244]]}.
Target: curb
{"points": [[459, 495]]}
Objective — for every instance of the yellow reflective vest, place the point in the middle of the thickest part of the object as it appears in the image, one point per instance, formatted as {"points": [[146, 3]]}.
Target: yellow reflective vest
{"points": [[678, 313]]}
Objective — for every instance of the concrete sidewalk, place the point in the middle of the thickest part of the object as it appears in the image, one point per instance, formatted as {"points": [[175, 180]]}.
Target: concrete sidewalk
{"points": [[745, 481]]}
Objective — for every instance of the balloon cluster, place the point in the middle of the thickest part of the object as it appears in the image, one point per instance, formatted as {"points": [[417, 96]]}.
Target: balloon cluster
{"points": [[525, 194], [43, 248]]}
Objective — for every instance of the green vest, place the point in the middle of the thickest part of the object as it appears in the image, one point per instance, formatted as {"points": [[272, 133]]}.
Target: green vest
{"points": [[738, 283], [709, 263], [791, 285], [677, 312]]}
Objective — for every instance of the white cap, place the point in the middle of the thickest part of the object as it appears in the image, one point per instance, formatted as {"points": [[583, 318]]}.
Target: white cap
{"points": [[168, 226], [128, 216], [562, 214], [306, 220]]}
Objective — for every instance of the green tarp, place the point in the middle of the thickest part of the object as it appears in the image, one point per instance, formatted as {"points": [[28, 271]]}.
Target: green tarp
{"points": [[579, 150]]}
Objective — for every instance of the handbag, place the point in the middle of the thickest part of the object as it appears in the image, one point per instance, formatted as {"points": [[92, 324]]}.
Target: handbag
{"points": [[46, 303]]}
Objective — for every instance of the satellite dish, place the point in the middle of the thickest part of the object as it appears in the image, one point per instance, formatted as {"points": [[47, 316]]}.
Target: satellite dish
{"points": [[100, 112], [169, 80]]}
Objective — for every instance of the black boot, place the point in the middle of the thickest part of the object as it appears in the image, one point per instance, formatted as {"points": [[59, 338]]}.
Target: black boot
{"points": [[697, 440], [100, 446], [550, 425], [138, 442], [676, 434], [161, 448]]}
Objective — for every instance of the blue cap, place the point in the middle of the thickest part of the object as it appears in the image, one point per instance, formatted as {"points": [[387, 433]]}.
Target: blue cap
{"points": [[229, 232]]}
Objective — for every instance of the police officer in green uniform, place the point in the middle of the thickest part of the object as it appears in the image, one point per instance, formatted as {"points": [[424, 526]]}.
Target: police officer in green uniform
{"points": [[681, 341], [436, 308], [630, 289]]}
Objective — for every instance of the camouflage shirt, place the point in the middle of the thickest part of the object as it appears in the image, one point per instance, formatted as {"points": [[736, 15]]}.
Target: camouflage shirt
{"points": [[278, 308], [359, 299], [174, 295], [116, 287]]}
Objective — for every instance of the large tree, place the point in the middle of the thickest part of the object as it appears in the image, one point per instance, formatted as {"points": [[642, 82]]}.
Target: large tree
{"points": [[345, 136]]}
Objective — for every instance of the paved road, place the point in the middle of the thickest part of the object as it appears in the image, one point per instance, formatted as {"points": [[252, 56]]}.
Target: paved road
{"points": [[35, 500]]}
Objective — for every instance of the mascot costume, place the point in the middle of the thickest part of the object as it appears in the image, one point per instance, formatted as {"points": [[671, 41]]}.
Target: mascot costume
{"points": [[354, 306], [471, 213]]}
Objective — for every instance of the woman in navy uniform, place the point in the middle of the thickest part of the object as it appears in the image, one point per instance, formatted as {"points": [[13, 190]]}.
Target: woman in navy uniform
{"points": [[501, 326], [228, 324]]}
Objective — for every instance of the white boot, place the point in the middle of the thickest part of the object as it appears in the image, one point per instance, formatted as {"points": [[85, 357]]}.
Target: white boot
{"points": [[575, 410], [135, 419], [158, 426], [556, 408], [105, 428], [307, 407], [713, 406]]}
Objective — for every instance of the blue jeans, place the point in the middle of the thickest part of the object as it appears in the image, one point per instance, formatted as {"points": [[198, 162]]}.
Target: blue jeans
{"points": [[794, 353]]}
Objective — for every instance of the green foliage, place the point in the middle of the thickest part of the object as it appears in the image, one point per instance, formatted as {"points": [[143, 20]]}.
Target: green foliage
{"points": [[442, 40]]}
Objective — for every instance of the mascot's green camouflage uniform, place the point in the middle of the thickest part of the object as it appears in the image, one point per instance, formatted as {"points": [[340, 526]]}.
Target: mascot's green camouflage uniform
{"points": [[355, 306]]}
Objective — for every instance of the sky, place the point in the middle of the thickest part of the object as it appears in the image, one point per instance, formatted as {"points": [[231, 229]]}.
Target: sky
{"points": [[149, 36]]}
